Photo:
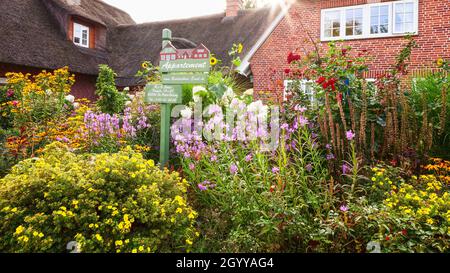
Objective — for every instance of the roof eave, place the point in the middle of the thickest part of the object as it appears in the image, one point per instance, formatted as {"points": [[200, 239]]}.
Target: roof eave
{"points": [[244, 69]]}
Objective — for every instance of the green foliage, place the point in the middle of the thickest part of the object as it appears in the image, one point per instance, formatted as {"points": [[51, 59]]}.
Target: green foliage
{"points": [[105, 202], [110, 100]]}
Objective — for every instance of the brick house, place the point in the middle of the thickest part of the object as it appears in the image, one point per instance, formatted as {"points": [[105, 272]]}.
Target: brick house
{"points": [[378, 26], [48, 34], [81, 34]]}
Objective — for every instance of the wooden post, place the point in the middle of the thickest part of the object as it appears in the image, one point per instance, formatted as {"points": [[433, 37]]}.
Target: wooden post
{"points": [[165, 115]]}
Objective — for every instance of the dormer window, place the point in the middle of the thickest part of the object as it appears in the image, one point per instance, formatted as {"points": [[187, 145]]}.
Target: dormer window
{"points": [[80, 35]]}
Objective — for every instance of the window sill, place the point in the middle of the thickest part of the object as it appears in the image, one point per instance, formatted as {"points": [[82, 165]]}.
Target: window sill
{"points": [[362, 37]]}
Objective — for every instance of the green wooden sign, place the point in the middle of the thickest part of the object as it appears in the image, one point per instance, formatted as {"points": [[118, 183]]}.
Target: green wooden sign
{"points": [[188, 65], [185, 78], [158, 93], [194, 63]]}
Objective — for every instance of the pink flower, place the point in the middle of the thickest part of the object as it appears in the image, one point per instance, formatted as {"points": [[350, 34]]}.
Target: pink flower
{"points": [[15, 103], [202, 187], [248, 158], [350, 135], [191, 166], [10, 93], [344, 208], [275, 170], [233, 169], [300, 108], [345, 169], [303, 121]]}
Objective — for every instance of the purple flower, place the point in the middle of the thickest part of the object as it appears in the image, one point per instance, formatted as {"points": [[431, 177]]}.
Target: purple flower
{"points": [[248, 158], [330, 156], [284, 126], [233, 169], [303, 121], [300, 108], [191, 166], [345, 169], [344, 208], [214, 158], [275, 170], [202, 187], [328, 146], [350, 135], [309, 167]]}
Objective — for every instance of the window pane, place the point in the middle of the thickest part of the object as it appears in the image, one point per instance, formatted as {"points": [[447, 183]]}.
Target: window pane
{"points": [[374, 29], [384, 20], [349, 31], [409, 7], [76, 40], [374, 11], [398, 27], [332, 23], [409, 17], [384, 28], [409, 27], [336, 32], [384, 10]]}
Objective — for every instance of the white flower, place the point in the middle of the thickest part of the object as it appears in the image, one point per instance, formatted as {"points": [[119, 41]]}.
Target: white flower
{"points": [[186, 113], [76, 105], [70, 98], [228, 94], [131, 96], [126, 89], [127, 103], [48, 92], [249, 92]]}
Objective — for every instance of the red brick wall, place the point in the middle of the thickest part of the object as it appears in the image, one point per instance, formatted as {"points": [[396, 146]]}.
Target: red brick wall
{"points": [[304, 17], [84, 86]]}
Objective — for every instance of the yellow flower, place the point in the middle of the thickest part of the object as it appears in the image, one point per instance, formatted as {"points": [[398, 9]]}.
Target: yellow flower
{"points": [[141, 248], [19, 229], [240, 48], [119, 243], [134, 250], [430, 221], [41, 235], [144, 65], [213, 61], [35, 234], [107, 170], [440, 62], [179, 210], [189, 242], [98, 237]]}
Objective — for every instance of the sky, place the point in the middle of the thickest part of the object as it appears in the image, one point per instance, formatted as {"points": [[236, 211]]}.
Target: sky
{"points": [[159, 10]]}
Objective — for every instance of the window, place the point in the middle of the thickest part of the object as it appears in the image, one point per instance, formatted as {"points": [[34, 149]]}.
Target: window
{"points": [[80, 35], [353, 22], [370, 20], [305, 86], [379, 19], [404, 17], [332, 23]]}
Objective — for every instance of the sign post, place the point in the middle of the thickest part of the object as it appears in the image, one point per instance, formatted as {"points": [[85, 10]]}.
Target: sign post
{"points": [[178, 67]]}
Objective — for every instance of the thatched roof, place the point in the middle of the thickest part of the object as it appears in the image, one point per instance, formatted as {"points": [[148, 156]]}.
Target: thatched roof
{"points": [[32, 36], [131, 45], [95, 10]]}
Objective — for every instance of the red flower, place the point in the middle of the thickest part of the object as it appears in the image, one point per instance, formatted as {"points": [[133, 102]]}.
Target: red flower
{"points": [[344, 51], [387, 238], [292, 57], [321, 80], [15, 103], [339, 96], [404, 232], [272, 188], [287, 71]]}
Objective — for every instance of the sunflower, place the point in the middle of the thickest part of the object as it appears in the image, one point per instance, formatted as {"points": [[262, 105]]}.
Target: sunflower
{"points": [[144, 65], [440, 62], [213, 61], [240, 48]]}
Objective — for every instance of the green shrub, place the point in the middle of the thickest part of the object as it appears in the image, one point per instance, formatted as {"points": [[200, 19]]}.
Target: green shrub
{"points": [[110, 100], [105, 202]]}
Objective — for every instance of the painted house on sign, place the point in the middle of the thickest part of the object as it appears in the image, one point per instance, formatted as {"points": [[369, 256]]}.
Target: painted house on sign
{"points": [[170, 53]]}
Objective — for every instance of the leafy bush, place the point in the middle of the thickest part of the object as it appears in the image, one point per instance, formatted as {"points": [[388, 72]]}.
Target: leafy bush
{"points": [[110, 101], [106, 203]]}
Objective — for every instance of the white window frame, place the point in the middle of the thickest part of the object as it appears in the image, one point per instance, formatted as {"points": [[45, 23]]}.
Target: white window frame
{"points": [[303, 84], [82, 28], [367, 21]]}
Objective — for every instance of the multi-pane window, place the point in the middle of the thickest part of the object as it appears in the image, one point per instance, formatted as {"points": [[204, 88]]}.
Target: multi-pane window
{"points": [[303, 86], [80, 35], [354, 22], [370, 20], [332, 23], [404, 17], [379, 19]]}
